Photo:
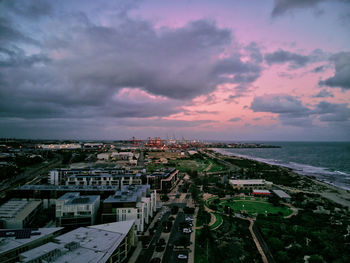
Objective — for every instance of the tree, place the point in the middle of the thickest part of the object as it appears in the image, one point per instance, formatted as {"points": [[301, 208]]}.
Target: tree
{"points": [[174, 209], [316, 259]]}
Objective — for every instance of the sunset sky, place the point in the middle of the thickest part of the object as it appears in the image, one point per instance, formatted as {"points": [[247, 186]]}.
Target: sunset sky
{"points": [[198, 69]]}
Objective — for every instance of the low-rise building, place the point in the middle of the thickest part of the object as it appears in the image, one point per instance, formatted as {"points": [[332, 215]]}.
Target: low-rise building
{"points": [[65, 146], [122, 155], [73, 210], [103, 156], [163, 181], [250, 184], [282, 194], [261, 192], [14, 242], [50, 193], [60, 175], [104, 179], [136, 203], [96, 244], [18, 213]]}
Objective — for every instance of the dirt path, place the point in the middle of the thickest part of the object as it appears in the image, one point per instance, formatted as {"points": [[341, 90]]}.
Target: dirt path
{"points": [[294, 210], [209, 167]]}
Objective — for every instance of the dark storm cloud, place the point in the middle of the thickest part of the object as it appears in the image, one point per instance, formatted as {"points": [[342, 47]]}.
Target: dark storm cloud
{"points": [[27, 8], [292, 112], [323, 94], [281, 104], [79, 66], [283, 6], [234, 70], [319, 69], [235, 119], [282, 56], [254, 52], [16, 57], [341, 78], [9, 34], [295, 60], [332, 112]]}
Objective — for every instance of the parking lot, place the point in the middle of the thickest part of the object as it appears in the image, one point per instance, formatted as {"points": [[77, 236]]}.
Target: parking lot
{"points": [[172, 251]]}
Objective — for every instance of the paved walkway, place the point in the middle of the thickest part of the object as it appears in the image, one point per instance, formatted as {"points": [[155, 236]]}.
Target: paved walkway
{"points": [[294, 210], [256, 241]]}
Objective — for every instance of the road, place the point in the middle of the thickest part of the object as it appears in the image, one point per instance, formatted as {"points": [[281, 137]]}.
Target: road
{"points": [[171, 254], [141, 160], [146, 253]]}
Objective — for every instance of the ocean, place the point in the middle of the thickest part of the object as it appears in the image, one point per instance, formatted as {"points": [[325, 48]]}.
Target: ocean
{"points": [[327, 161]]}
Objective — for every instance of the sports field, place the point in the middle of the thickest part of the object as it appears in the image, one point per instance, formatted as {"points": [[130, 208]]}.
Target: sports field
{"points": [[252, 206]]}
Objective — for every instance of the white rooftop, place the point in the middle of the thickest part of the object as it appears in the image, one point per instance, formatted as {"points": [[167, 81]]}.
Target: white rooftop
{"points": [[122, 227], [281, 194], [249, 182], [93, 244], [9, 243]]}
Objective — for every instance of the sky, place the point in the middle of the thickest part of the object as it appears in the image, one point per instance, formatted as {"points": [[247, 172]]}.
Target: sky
{"points": [[273, 70]]}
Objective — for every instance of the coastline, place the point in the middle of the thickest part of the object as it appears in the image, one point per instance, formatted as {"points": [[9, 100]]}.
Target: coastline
{"points": [[328, 190]]}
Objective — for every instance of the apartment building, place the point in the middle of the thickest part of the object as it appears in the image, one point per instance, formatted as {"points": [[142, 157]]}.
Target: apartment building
{"points": [[73, 210], [136, 203]]}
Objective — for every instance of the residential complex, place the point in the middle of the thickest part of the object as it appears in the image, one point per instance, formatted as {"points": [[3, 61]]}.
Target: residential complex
{"points": [[163, 181], [73, 210], [104, 179], [60, 176], [136, 203], [50, 193], [250, 184]]}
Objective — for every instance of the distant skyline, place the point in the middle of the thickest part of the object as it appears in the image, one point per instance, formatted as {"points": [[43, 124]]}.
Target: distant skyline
{"points": [[216, 70]]}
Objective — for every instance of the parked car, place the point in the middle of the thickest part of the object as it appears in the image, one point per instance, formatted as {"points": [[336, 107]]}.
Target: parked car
{"points": [[182, 256], [186, 230]]}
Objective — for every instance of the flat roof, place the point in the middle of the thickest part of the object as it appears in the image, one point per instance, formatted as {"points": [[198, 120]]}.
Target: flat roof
{"points": [[163, 173], [104, 175], [86, 244], [251, 182], [70, 187], [75, 198], [18, 209], [261, 191], [281, 194], [122, 227], [128, 193], [9, 243]]}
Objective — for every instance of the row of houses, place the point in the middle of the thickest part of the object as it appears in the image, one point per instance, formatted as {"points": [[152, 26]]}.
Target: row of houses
{"points": [[161, 181]]}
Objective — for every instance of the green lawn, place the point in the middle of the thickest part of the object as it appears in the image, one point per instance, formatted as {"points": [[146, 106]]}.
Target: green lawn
{"points": [[259, 206], [195, 165], [251, 205], [215, 167], [217, 222]]}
